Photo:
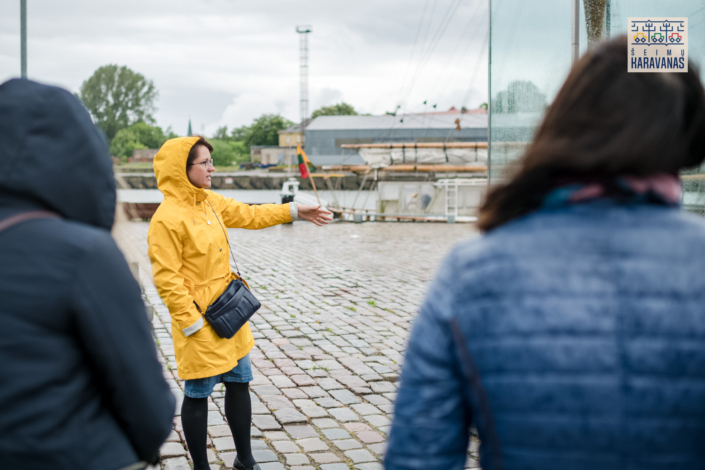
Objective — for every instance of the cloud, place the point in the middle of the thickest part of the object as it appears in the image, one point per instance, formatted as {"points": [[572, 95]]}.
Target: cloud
{"points": [[247, 107], [225, 62], [327, 97]]}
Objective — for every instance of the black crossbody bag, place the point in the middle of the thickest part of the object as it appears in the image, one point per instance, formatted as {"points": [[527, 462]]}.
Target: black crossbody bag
{"points": [[235, 306]]}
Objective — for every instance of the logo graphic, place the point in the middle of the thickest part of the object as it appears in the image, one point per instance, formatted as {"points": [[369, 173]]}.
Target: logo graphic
{"points": [[658, 45]]}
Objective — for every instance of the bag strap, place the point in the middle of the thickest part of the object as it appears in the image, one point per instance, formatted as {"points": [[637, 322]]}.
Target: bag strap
{"points": [[25, 216], [237, 270], [199, 308], [476, 388]]}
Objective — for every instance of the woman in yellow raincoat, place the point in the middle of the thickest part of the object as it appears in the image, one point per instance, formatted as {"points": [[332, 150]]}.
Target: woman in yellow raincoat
{"points": [[190, 257]]}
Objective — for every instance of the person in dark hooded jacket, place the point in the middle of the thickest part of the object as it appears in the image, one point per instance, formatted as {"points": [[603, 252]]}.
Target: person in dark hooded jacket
{"points": [[81, 384]]}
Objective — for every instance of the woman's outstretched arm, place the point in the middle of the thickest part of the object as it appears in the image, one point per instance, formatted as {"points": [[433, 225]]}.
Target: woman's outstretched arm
{"points": [[236, 214]]}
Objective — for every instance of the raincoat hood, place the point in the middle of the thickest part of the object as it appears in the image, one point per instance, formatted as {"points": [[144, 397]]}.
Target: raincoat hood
{"points": [[170, 169], [52, 155]]}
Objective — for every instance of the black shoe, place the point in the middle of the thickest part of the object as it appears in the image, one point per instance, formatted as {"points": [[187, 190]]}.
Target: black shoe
{"points": [[239, 466]]}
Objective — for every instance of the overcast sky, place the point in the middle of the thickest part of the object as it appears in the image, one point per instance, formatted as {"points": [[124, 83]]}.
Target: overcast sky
{"points": [[226, 62]]}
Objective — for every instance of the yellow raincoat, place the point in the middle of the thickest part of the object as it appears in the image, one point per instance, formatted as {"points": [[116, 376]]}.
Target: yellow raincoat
{"points": [[190, 260]]}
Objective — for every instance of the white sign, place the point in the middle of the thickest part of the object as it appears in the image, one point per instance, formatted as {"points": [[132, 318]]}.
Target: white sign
{"points": [[658, 45]]}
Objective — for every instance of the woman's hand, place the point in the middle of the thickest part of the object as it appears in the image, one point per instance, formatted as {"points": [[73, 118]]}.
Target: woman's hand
{"points": [[314, 214]]}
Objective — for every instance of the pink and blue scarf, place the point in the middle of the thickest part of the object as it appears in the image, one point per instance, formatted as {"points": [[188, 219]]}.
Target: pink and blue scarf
{"points": [[664, 189]]}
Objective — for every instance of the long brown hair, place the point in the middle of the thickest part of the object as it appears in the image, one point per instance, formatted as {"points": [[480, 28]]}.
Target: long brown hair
{"points": [[605, 122]]}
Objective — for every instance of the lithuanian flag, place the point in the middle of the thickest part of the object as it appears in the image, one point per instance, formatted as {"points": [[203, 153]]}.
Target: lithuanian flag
{"points": [[303, 161]]}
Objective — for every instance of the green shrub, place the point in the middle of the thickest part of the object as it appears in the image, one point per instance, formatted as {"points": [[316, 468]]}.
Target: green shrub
{"points": [[226, 152], [137, 136]]}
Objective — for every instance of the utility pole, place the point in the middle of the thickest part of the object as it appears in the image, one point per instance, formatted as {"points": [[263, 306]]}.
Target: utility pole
{"points": [[575, 31], [608, 19], [23, 38], [303, 31]]}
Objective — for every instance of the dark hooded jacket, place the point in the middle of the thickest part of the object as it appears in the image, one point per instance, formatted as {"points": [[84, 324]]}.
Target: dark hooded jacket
{"points": [[80, 383]]}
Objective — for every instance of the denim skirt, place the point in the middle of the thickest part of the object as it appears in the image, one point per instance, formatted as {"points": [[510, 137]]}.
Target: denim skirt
{"points": [[202, 388]]}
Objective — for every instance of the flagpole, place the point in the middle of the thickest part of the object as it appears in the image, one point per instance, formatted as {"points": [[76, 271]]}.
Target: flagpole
{"points": [[304, 160], [314, 185]]}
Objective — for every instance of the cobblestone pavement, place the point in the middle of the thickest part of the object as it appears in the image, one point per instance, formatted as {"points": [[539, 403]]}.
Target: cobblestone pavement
{"points": [[337, 306]]}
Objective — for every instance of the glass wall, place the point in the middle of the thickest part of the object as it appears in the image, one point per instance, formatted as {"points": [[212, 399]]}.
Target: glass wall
{"points": [[530, 56]]}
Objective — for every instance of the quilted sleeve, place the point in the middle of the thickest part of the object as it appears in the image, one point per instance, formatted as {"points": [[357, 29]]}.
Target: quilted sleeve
{"points": [[432, 417]]}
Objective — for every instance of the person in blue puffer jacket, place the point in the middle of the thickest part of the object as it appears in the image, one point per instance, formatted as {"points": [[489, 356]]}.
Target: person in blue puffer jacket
{"points": [[572, 333]]}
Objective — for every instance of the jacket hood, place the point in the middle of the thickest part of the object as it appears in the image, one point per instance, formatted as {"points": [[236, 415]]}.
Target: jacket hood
{"points": [[170, 169], [53, 155]]}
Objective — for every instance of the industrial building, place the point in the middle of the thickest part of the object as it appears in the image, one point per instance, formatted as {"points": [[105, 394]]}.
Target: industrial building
{"points": [[325, 135], [273, 154], [293, 136]]}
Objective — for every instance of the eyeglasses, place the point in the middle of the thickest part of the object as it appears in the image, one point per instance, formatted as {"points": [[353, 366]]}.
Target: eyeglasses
{"points": [[206, 163]]}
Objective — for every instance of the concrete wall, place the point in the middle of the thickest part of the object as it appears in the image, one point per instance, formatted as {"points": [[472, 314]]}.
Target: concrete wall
{"points": [[143, 155]]}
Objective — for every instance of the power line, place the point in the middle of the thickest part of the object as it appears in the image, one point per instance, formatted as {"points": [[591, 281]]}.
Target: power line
{"points": [[428, 51], [413, 48], [442, 28], [459, 62], [477, 68]]}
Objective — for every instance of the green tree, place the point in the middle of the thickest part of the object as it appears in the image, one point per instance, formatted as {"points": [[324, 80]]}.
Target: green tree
{"points": [[118, 97], [227, 152], [170, 134], [520, 97], [263, 131], [137, 136], [340, 109], [240, 133], [222, 133]]}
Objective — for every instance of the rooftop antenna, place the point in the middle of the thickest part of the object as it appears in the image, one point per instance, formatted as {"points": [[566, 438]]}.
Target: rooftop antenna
{"points": [[303, 31]]}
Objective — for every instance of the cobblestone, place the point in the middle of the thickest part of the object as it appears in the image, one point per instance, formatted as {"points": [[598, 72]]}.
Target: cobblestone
{"points": [[312, 444], [179, 463], [337, 306], [366, 409], [264, 455], [335, 466], [347, 444], [285, 447], [296, 459], [272, 466], [360, 455], [325, 457], [343, 414], [264, 422], [336, 433], [345, 397], [171, 449], [288, 415]]}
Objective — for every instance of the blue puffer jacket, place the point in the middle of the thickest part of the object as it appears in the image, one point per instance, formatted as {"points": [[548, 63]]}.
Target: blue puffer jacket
{"points": [[585, 327]]}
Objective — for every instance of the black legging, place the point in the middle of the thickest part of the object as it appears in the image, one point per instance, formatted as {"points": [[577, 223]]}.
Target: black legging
{"points": [[238, 412]]}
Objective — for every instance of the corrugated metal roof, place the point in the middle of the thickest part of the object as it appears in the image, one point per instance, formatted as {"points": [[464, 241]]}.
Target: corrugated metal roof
{"points": [[295, 128], [410, 121]]}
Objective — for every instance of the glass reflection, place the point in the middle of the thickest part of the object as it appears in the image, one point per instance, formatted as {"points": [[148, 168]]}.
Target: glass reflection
{"points": [[530, 56]]}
